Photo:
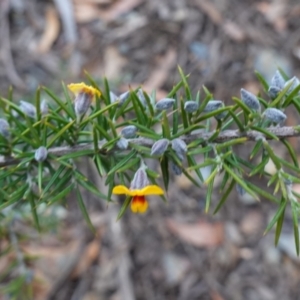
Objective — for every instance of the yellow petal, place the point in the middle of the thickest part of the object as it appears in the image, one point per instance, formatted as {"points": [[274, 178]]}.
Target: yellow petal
{"points": [[139, 205], [121, 189], [83, 88], [152, 190]]}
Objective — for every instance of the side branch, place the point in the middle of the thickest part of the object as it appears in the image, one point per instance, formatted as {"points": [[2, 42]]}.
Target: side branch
{"points": [[224, 136]]}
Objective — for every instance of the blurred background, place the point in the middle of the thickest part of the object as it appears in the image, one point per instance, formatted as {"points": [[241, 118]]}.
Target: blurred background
{"points": [[175, 251]]}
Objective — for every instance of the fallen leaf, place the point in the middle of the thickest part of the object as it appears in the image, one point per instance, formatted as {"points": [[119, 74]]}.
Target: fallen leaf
{"points": [[274, 13], [160, 74], [252, 223], [209, 8], [201, 234], [118, 8], [51, 32], [215, 296], [113, 63], [85, 12], [89, 256], [233, 30]]}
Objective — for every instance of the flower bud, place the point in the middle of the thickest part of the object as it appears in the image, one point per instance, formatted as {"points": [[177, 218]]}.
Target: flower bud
{"points": [[123, 97], [295, 82], [122, 144], [44, 107], [4, 128], [274, 115], [176, 169], [250, 100], [41, 154], [140, 180], [82, 103], [164, 104], [180, 148], [213, 105], [113, 97], [129, 131], [141, 97], [277, 80], [274, 91], [221, 115], [159, 147], [28, 109], [240, 190], [191, 106]]}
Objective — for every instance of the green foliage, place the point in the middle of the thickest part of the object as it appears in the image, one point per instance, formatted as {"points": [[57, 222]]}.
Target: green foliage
{"points": [[211, 131]]}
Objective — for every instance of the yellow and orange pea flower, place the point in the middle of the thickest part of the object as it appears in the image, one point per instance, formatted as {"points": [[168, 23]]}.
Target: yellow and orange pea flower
{"points": [[78, 88], [139, 204]]}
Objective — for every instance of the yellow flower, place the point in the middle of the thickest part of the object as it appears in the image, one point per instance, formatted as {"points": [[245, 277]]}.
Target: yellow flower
{"points": [[78, 88], [84, 95], [139, 188], [139, 204]]}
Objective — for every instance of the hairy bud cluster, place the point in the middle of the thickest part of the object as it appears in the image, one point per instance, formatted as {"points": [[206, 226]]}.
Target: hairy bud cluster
{"points": [[213, 105], [140, 179], [129, 131], [274, 115], [191, 106], [141, 97], [28, 109], [4, 128], [176, 169], [41, 154], [180, 148], [295, 82], [121, 98], [122, 143], [159, 147], [250, 100], [165, 103], [82, 103]]}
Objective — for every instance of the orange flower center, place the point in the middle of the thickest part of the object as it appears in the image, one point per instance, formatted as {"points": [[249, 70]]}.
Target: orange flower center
{"points": [[139, 204]]}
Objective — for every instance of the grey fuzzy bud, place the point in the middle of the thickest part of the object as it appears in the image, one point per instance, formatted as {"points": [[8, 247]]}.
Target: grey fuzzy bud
{"points": [[129, 131], [180, 148], [278, 81], [123, 97], [164, 104], [44, 107], [41, 154], [221, 116], [159, 147], [250, 100], [274, 91], [82, 103], [4, 128], [176, 169], [122, 144], [213, 105], [274, 115], [295, 82], [28, 109], [240, 190], [191, 106], [140, 180], [141, 97], [113, 97]]}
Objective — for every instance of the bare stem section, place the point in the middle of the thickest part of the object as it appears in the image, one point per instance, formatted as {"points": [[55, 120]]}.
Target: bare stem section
{"points": [[224, 136]]}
